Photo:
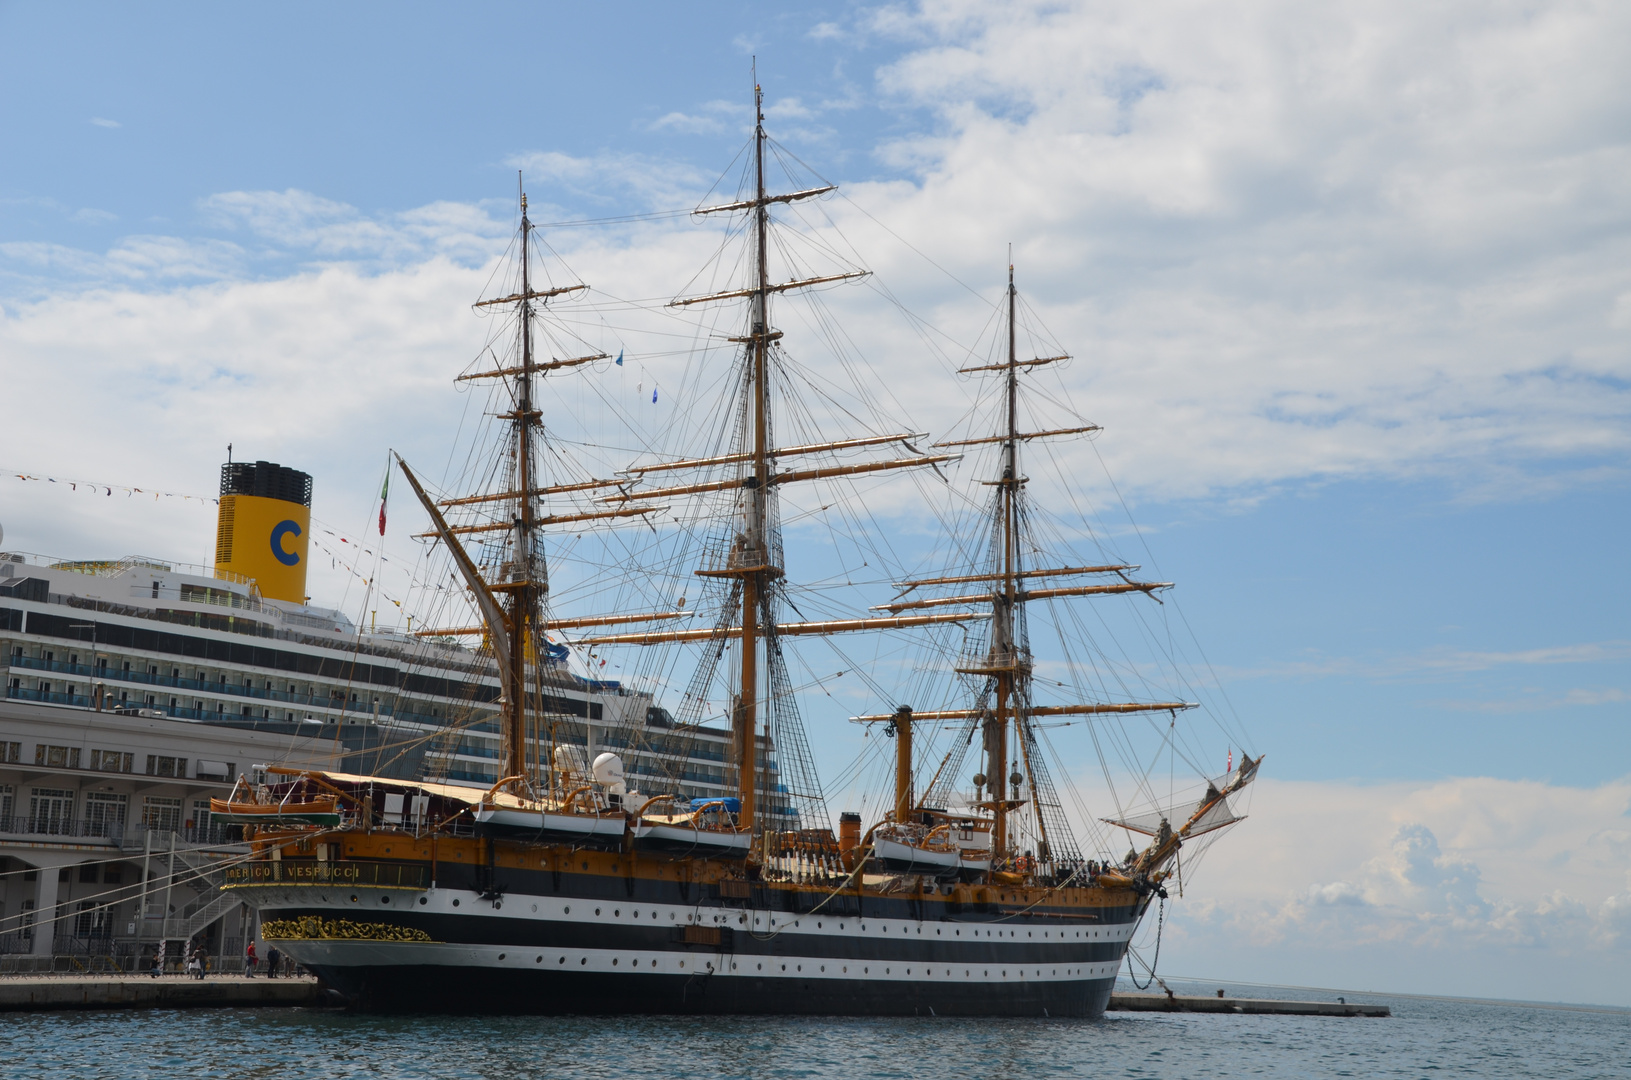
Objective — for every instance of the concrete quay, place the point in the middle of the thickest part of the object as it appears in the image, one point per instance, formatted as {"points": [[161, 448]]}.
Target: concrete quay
{"points": [[1261, 1006], [145, 992]]}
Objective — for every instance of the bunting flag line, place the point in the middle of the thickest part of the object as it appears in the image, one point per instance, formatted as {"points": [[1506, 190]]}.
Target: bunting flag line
{"points": [[97, 487]]}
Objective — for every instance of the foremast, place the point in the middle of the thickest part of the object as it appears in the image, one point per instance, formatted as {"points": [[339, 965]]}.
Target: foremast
{"points": [[511, 599]]}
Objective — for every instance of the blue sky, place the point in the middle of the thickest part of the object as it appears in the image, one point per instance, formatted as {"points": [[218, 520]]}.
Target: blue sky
{"points": [[1348, 290]]}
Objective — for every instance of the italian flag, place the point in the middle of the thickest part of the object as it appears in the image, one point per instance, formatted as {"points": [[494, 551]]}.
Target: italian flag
{"points": [[384, 494]]}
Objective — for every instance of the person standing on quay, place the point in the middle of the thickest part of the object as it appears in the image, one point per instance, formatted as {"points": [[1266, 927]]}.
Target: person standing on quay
{"points": [[250, 959], [273, 959]]}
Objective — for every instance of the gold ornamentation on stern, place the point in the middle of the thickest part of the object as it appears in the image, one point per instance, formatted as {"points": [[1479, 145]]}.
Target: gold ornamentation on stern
{"points": [[317, 928]]}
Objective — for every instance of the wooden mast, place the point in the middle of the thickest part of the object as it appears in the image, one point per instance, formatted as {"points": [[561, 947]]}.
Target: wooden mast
{"points": [[1004, 655], [525, 585], [900, 726], [755, 552]]}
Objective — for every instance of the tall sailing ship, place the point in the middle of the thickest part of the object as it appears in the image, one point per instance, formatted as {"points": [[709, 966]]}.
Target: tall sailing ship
{"points": [[572, 885]]}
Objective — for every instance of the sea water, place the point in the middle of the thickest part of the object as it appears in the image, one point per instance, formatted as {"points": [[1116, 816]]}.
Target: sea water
{"points": [[1425, 1037]]}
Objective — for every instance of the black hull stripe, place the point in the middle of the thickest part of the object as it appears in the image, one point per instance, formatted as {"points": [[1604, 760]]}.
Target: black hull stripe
{"points": [[484, 990]]}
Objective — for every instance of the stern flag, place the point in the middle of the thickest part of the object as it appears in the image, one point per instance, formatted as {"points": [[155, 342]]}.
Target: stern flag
{"points": [[384, 494]]}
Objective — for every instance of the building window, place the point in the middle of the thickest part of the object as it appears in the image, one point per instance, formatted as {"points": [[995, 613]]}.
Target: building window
{"points": [[87, 873], [11, 752], [161, 814], [56, 757], [8, 806], [105, 813], [112, 761], [50, 810], [158, 765], [92, 920]]}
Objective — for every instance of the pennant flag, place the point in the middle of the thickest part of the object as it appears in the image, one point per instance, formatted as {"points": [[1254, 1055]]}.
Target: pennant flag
{"points": [[654, 395], [620, 358], [384, 494]]}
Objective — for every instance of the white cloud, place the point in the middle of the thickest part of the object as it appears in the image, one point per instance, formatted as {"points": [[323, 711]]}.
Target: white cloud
{"points": [[653, 183], [1295, 243], [315, 226], [100, 121], [158, 260], [1436, 886]]}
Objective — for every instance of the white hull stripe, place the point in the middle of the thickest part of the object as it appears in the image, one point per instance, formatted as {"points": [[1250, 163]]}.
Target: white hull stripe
{"points": [[577, 911], [357, 954]]}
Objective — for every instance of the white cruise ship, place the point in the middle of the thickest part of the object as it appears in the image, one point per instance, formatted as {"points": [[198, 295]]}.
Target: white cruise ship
{"points": [[137, 688]]}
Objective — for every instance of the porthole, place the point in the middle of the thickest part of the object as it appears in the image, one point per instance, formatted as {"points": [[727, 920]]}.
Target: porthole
{"points": [[617, 913], [353, 898], [538, 959], [585, 960], [563, 959], [455, 902], [759, 967], [385, 899], [501, 956], [423, 900], [535, 908], [614, 961], [567, 910], [597, 911]]}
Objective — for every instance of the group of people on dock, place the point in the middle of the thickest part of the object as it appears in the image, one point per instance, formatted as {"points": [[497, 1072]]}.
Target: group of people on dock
{"points": [[275, 962]]}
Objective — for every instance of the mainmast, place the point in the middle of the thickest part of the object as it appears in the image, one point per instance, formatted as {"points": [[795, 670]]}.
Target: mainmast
{"points": [[1005, 661], [754, 554]]}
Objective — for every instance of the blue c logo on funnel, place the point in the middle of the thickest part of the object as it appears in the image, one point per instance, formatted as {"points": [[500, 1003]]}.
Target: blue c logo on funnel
{"points": [[279, 531]]}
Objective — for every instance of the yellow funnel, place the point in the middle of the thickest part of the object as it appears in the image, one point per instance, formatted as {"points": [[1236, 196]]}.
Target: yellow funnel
{"points": [[264, 525]]}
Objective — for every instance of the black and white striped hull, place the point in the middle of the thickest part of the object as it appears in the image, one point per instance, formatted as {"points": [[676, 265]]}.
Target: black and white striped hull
{"points": [[555, 953]]}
